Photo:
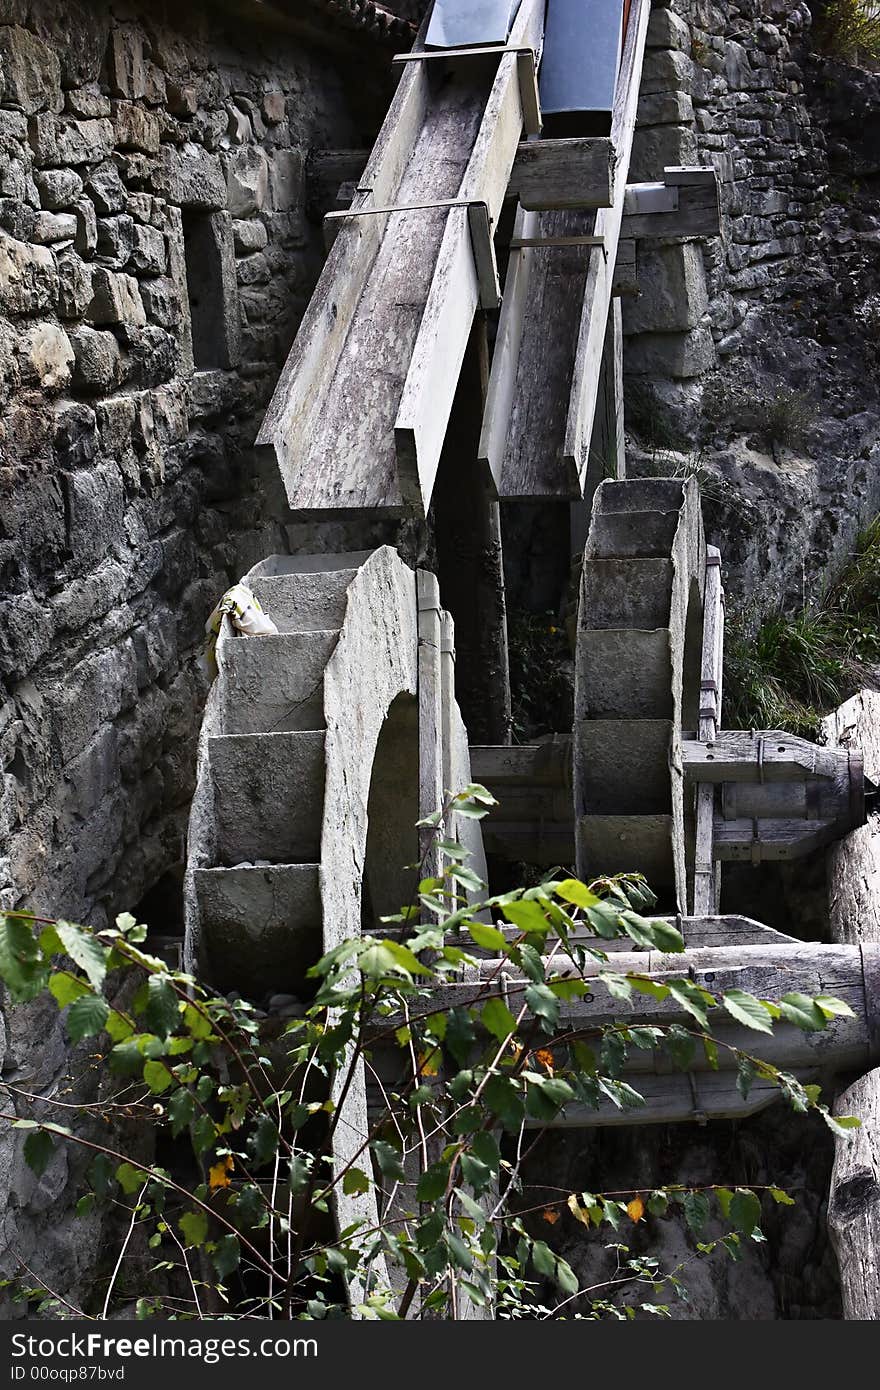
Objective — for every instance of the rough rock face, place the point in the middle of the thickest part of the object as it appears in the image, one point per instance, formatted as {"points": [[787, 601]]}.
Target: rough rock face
{"points": [[769, 379]]}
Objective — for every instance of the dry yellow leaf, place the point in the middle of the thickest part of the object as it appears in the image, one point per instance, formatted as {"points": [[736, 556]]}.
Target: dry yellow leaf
{"points": [[429, 1062], [218, 1173], [550, 1216], [546, 1058], [635, 1209]]}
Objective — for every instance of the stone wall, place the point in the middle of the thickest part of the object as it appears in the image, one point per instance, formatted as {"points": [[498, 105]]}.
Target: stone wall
{"points": [[155, 256]]}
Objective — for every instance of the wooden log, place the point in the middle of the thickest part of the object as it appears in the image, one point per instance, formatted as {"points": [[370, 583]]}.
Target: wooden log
{"points": [[854, 912], [850, 973], [550, 174]]}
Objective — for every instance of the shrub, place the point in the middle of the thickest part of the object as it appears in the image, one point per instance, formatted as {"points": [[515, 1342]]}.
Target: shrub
{"points": [[849, 29]]}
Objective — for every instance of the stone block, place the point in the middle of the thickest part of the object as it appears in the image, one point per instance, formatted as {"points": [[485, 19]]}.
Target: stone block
{"points": [[79, 30], [30, 73], [87, 102], [115, 239], [125, 61], [136, 128], [665, 108], [659, 147], [99, 365], [667, 30], [46, 351], [28, 279], [58, 188], [60, 140], [75, 436], [54, 226], [182, 100], [115, 299], [106, 189], [74, 287], [94, 692], [17, 218], [86, 238], [672, 289], [666, 70], [249, 236], [13, 131], [190, 177], [94, 510], [149, 254], [677, 355], [274, 107], [247, 180], [115, 420], [161, 300]]}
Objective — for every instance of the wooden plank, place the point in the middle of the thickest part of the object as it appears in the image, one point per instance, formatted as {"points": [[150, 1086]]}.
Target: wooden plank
{"points": [[853, 869], [502, 377], [600, 272], [624, 280], [428, 391], [686, 211], [526, 59], [564, 173], [761, 840], [669, 1100], [735, 755], [430, 714], [682, 175]]}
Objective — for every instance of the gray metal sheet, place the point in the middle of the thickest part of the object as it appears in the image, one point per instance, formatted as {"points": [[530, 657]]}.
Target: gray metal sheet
{"points": [[462, 23], [582, 47]]}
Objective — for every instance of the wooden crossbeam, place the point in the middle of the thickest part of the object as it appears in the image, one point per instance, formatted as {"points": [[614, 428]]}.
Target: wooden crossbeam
{"points": [[672, 210], [564, 173]]}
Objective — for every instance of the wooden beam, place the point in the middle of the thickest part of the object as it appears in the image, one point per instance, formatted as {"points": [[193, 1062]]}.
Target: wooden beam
{"points": [[564, 173], [664, 210], [505, 359], [853, 868], [430, 713], [600, 272]]}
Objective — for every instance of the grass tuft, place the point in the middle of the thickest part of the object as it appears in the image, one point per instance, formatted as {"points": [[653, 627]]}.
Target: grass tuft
{"points": [[790, 671]]}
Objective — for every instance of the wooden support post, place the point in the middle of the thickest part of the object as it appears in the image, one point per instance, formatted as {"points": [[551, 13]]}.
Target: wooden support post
{"points": [[470, 559], [707, 875], [430, 714], [854, 912]]}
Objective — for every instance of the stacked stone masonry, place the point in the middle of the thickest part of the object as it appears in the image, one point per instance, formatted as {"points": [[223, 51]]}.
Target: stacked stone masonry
{"points": [[129, 499]]}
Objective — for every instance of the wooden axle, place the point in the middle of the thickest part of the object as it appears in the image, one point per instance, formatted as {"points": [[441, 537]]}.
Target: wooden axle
{"points": [[850, 973]]}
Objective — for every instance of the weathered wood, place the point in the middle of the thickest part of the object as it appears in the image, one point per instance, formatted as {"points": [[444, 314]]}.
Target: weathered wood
{"points": [[550, 174], [600, 272], [430, 713], [470, 557], [767, 971], [770, 755], [437, 355], [707, 873], [760, 840], [661, 210], [398, 293], [502, 378], [326, 171], [853, 868], [625, 278], [670, 1100]]}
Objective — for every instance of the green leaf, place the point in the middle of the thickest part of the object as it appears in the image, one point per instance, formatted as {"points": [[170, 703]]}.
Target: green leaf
{"points": [[566, 1277], [840, 1124], [527, 916], [38, 1149], [485, 1146], [571, 890], [388, 1159], [618, 986], [781, 1198], [263, 1142], [102, 1175], [432, 1183], [745, 1210], [65, 987], [158, 1077], [194, 1227], [181, 1108], [605, 920], [696, 1211], [803, 1012], [204, 1132], [832, 1007], [544, 1005], [644, 985], [87, 1016], [505, 1099], [691, 998], [475, 1173], [748, 1010], [490, 938], [543, 1259], [497, 1019], [162, 1012], [196, 1022], [130, 1179], [226, 1255], [299, 1171], [85, 951], [355, 1182], [22, 966]]}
